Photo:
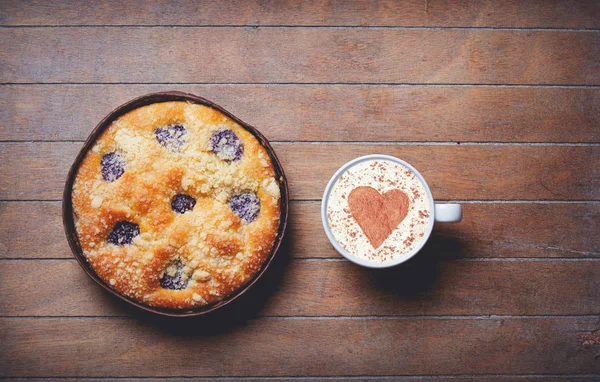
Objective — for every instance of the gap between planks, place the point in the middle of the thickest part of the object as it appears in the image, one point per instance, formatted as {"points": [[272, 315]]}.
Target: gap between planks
{"points": [[341, 260], [473, 201], [373, 84], [333, 318], [374, 143]]}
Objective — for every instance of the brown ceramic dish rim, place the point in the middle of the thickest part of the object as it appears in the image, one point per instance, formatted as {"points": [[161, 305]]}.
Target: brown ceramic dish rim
{"points": [[67, 206]]}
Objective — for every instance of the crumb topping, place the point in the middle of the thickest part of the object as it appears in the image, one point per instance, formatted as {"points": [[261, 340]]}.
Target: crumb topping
{"points": [[171, 216]]}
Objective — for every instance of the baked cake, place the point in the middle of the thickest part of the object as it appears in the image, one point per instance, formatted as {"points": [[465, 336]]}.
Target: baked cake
{"points": [[176, 205]]}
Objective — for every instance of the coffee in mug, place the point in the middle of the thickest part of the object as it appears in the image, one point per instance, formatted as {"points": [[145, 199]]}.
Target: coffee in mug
{"points": [[378, 211]]}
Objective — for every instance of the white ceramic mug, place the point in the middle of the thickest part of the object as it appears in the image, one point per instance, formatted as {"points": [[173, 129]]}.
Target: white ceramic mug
{"points": [[440, 213]]}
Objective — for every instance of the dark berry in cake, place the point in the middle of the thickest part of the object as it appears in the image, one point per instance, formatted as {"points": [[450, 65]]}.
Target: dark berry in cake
{"points": [[123, 233], [227, 145], [173, 277], [113, 166], [182, 203], [172, 137], [246, 206]]}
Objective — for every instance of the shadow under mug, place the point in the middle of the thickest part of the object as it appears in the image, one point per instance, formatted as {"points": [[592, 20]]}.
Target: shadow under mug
{"points": [[439, 213]]}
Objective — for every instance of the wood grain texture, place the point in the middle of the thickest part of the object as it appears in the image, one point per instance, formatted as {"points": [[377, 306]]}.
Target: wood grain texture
{"points": [[422, 287], [460, 172], [454, 172], [284, 55], [34, 230], [328, 113], [461, 13], [276, 347], [511, 293]]}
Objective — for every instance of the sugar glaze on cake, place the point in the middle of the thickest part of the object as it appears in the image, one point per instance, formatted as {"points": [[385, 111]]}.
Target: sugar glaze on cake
{"points": [[176, 205]]}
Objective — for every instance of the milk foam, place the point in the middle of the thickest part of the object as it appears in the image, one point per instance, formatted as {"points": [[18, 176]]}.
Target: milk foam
{"points": [[383, 175]]}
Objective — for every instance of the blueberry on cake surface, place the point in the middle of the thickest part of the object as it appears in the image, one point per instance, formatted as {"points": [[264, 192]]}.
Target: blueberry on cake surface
{"points": [[172, 137], [226, 144], [246, 206], [174, 277], [123, 233], [182, 203], [176, 205], [113, 166]]}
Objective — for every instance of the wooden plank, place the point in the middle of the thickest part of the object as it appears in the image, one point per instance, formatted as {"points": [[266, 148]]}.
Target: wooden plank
{"points": [[422, 287], [328, 113], [34, 171], [313, 55], [34, 230], [454, 172], [461, 13], [460, 172], [278, 347], [505, 230], [493, 230]]}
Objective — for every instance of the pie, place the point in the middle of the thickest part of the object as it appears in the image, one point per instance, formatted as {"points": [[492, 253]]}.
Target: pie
{"points": [[176, 205]]}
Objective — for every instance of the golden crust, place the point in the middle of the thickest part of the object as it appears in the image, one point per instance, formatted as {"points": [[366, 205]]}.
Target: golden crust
{"points": [[220, 251]]}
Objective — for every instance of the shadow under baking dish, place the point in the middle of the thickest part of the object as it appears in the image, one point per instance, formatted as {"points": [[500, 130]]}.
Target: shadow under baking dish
{"points": [[67, 205]]}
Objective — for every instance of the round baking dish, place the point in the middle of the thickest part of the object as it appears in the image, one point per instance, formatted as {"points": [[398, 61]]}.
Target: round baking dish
{"points": [[68, 218]]}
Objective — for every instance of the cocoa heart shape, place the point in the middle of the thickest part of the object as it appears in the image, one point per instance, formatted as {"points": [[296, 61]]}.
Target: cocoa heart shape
{"points": [[376, 214]]}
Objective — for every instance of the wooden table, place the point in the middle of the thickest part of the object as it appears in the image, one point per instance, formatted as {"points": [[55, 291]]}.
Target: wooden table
{"points": [[498, 105]]}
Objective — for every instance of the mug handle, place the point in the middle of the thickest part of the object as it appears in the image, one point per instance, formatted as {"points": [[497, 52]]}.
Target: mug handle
{"points": [[448, 213]]}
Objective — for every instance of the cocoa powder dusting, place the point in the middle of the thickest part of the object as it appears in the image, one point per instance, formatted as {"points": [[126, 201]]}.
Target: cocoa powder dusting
{"points": [[377, 215], [409, 240]]}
